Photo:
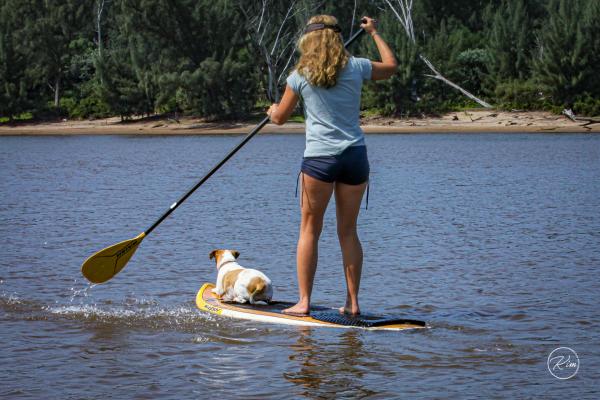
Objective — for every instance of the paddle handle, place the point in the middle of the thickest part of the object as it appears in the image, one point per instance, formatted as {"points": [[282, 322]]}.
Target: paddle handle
{"points": [[354, 37], [254, 131], [209, 174]]}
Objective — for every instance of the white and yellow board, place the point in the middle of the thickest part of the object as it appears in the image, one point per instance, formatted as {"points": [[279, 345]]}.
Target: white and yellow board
{"points": [[206, 300]]}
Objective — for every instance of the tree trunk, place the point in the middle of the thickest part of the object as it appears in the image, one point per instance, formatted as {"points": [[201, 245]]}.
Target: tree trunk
{"points": [[100, 9], [57, 92]]}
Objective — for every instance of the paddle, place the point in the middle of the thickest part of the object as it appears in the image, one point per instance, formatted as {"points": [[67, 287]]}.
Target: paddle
{"points": [[103, 265]]}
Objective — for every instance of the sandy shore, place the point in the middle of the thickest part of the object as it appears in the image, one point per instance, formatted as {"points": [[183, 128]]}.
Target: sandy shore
{"points": [[463, 121]]}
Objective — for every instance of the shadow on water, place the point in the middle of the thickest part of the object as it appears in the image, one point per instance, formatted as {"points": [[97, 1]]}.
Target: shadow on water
{"points": [[322, 368]]}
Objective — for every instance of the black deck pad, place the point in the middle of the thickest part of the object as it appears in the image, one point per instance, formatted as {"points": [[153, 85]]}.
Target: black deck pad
{"points": [[363, 320], [331, 315], [275, 306]]}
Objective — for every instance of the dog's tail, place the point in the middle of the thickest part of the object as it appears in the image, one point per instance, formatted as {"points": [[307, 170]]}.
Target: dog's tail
{"points": [[256, 286]]}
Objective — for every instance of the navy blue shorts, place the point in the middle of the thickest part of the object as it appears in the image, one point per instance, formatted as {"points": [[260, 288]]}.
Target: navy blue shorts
{"points": [[350, 167]]}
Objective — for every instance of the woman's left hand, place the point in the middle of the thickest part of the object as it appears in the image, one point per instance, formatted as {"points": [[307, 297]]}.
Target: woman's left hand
{"points": [[279, 113], [272, 109]]}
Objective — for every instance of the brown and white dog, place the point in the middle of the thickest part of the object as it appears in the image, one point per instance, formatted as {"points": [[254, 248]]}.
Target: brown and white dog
{"points": [[238, 284]]}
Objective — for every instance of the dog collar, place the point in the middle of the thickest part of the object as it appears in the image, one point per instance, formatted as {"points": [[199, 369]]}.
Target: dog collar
{"points": [[318, 27], [225, 262]]}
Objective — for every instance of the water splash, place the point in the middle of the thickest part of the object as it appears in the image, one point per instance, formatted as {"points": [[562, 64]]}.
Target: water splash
{"points": [[132, 312], [81, 293]]}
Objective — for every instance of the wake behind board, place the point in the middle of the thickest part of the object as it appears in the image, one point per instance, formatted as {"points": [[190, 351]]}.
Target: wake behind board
{"points": [[319, 316]]}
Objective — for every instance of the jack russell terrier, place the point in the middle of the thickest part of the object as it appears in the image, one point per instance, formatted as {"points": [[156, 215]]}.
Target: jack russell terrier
{"points": [[238, 284]]}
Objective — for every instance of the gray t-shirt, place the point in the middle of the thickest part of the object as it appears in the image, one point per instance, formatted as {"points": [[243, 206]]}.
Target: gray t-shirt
{"points": [[332, 115]]}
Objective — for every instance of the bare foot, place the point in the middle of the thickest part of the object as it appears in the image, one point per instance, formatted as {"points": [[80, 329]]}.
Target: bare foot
{"points": [[297, 310], [350, 310]]}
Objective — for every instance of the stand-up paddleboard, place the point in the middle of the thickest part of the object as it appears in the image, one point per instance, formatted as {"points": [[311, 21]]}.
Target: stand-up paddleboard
{"points": [[206, 300]]}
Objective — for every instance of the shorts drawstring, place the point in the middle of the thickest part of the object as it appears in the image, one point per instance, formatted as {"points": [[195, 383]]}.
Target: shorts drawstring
{"points": [[298, 180], [367, 203]]}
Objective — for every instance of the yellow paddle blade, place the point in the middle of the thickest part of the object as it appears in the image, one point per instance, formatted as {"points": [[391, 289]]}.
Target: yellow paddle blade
{"points": [[106, 263]]}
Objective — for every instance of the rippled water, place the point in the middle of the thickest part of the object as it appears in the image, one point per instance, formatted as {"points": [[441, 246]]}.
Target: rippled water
{"points": [[494, 240]]}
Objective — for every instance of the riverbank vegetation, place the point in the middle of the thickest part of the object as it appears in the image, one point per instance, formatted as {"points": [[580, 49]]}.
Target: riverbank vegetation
{"points": [[223, 59]]}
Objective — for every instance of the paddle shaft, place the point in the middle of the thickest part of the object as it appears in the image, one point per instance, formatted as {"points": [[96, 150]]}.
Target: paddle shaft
{"points": [[254, 131]]}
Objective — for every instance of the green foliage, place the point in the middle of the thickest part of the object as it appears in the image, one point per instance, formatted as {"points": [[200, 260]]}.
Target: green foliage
{"points": [[587, 105], [454, 50], [472, 68], [15, 88], [177, 56], [520, 95], [199, 56], [429, 14], [567, 60], [26, 116], [398, 95], [54, 33], [90, 106], [509, 41]]}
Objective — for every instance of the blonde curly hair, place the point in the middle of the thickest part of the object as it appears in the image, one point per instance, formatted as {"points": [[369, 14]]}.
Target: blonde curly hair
{"points": [[322, 53]]}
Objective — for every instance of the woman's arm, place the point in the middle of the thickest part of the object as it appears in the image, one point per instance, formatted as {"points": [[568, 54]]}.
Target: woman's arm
{"points": [[387, 67], [280, 112]]}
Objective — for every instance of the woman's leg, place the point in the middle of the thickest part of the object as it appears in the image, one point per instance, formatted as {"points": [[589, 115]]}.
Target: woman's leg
{"points": [[315, 197], [347, 202]]}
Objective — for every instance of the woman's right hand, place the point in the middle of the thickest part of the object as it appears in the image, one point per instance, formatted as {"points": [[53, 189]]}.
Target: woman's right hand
{"points": [[370, 26], [387, 66]]}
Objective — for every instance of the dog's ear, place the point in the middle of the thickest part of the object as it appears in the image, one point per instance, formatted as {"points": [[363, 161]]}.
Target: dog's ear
{"points": [[235, 253], [212, 254]]}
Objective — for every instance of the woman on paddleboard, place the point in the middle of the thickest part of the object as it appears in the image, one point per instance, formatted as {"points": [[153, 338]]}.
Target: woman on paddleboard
{"points": [[329, 81]]}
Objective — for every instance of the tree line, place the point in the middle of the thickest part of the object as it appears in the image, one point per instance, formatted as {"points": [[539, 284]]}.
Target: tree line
{"points": [[228, 59]]}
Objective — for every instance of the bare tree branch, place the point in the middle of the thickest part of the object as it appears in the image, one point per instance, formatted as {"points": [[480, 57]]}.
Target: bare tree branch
{"points": [[353, 18], [448, 82], [275, 33], [406, 21], [262, 14], [287, 15], [99, 10]]}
